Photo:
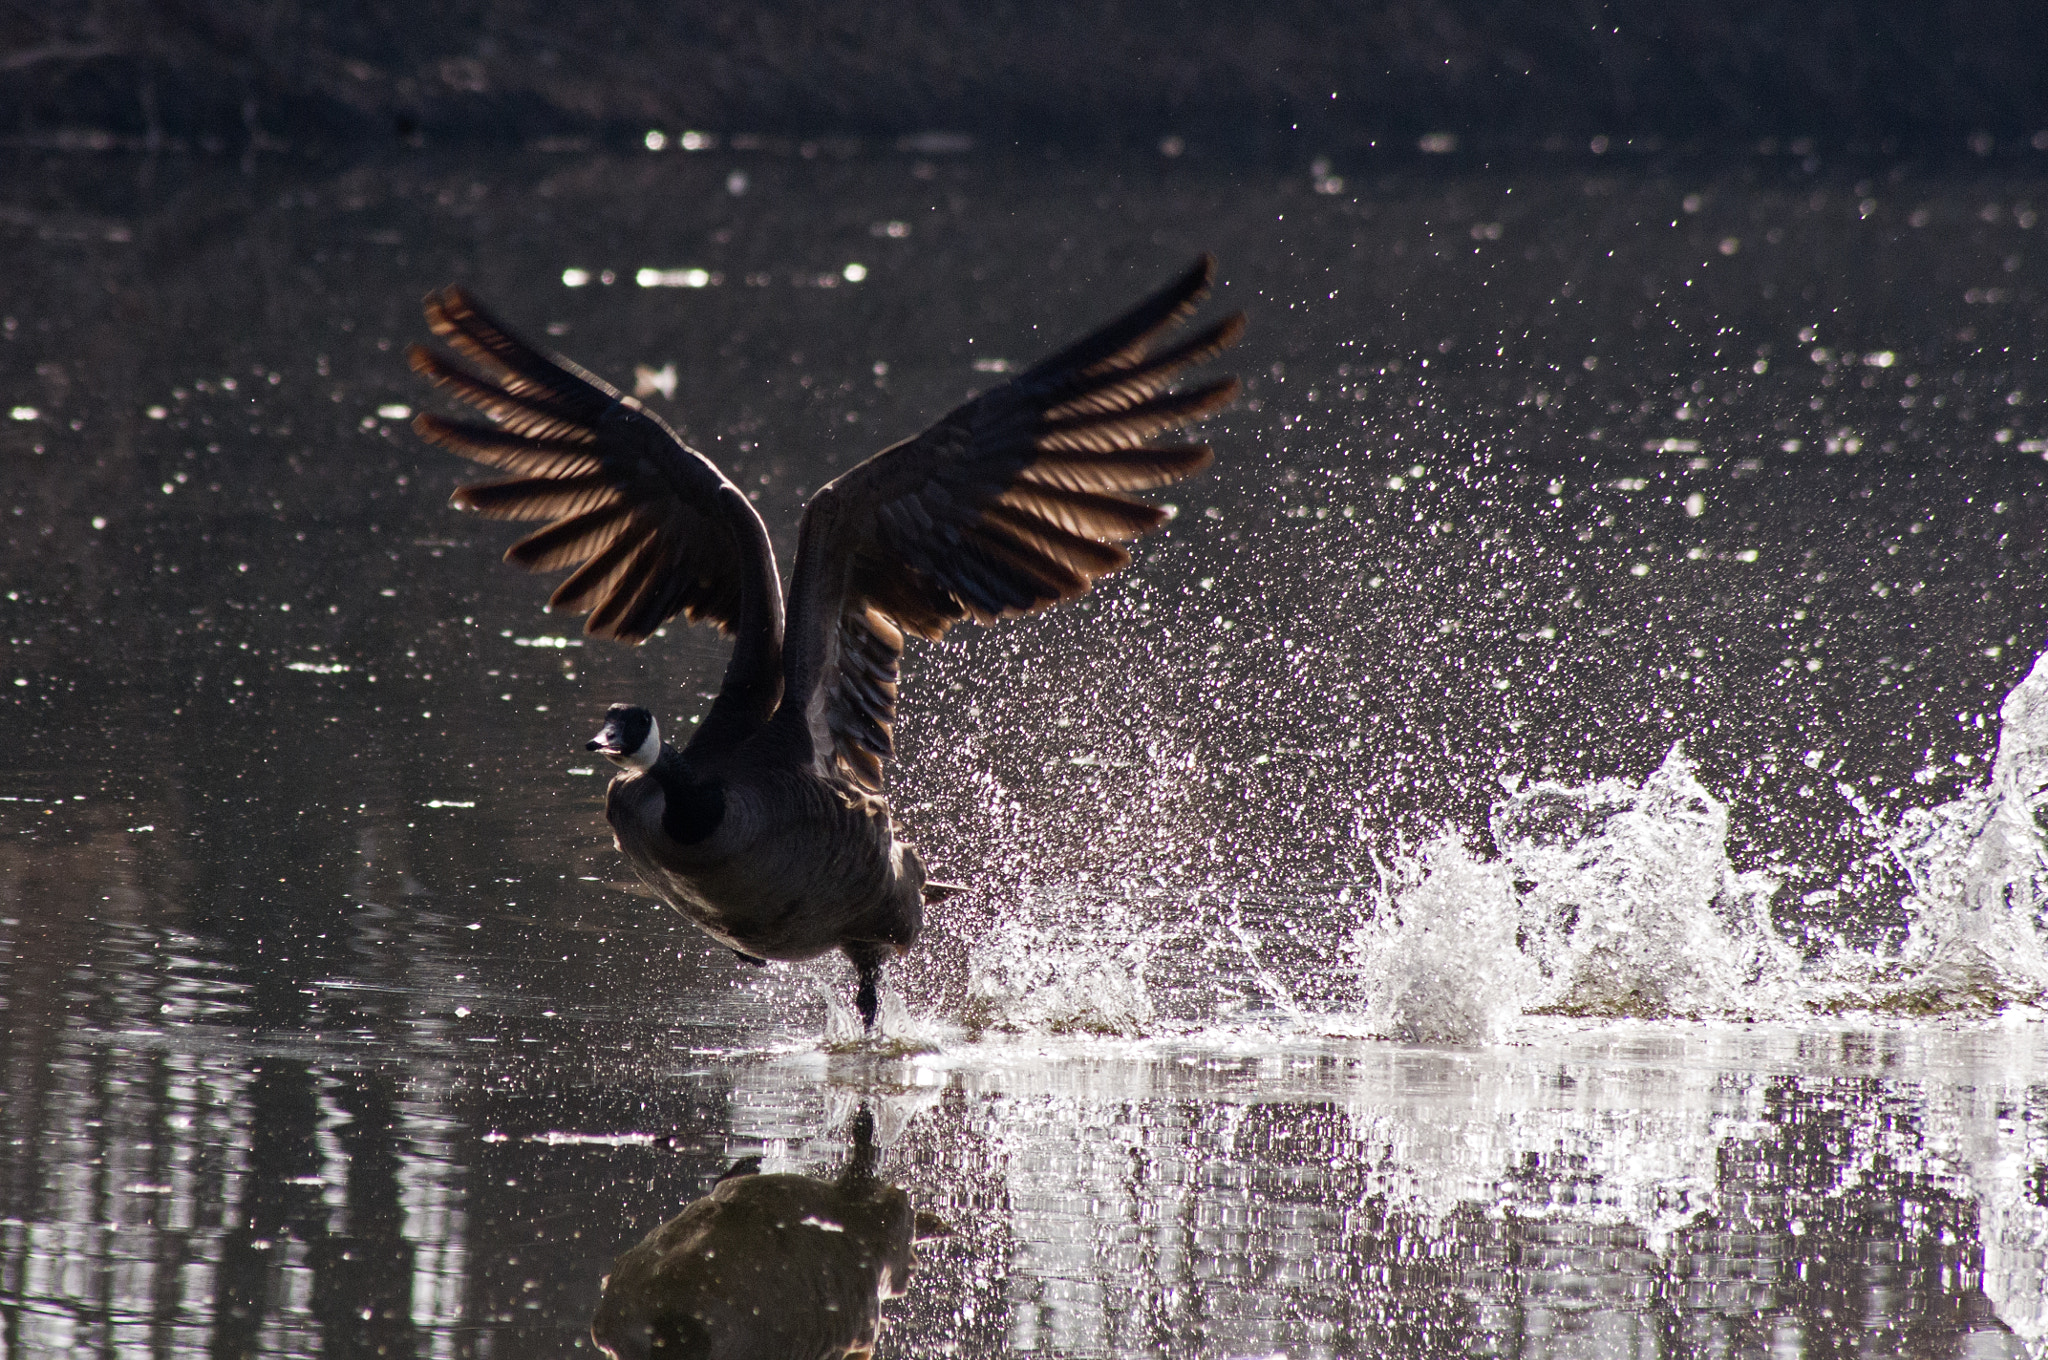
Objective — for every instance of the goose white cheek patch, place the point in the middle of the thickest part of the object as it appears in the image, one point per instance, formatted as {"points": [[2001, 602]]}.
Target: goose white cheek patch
{"points": [[649, 752]]}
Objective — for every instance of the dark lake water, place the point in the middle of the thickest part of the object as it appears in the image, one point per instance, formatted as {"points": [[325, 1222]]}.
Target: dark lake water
{"points": [[1540, 858]]}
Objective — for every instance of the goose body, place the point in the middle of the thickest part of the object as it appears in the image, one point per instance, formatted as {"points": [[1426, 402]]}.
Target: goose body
{"points": [[769, 829], [769, 859]]}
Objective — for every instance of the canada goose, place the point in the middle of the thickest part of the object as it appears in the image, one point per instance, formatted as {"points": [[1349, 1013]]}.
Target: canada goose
{"points": [[770, 829], [778, 1267]]}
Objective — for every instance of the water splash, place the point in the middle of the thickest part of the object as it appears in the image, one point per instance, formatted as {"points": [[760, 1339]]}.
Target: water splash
{"points": [[1063, 965], [1979, 871], [1618, 900], [1607, 899], [1610, 899], [1629, 904], [900, 1030], [1438, 962]]}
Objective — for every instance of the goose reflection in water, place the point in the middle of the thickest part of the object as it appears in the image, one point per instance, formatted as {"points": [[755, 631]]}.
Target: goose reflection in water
{"points": [[769, 829], [779, 1267]]}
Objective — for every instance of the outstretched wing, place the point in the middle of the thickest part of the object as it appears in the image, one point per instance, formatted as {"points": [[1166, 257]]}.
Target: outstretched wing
{"points": [[652, 527], [1012, 502]]}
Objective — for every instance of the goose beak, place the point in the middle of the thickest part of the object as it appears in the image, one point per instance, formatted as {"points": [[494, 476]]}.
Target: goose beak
{"points": [[606, 742]]}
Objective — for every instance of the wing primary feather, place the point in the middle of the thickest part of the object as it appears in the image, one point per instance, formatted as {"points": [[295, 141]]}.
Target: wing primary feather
{"points": [[457, 320], [1079, 552], [1032, 570], [515, 413], [1117, 344], [623, 606], [1007, 581], [593, 581], [1132, 385], [494, 446], [1130, 427], [569, 542], [524, 371], [1085, 510], [537, 497], [1141, 469]]}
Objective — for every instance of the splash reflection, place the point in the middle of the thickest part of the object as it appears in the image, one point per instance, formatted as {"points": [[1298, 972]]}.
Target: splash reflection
{"points": [[1594, 1191]]}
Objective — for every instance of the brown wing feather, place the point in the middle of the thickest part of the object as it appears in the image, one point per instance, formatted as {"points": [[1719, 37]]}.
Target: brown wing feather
{"points": [[592, 583], [1131, 426], [513, 365], [1080, 552], [1151, 377], [1009, 504], [653, 527], [550, 498], [1136, 470], [569, 541], [496, 447]]}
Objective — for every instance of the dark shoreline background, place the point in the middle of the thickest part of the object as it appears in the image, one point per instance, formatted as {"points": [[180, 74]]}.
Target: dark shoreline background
{"points": [[1883, 78]]}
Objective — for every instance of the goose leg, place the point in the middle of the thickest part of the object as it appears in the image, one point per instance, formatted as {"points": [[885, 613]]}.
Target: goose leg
{"points": [[867, 961]]}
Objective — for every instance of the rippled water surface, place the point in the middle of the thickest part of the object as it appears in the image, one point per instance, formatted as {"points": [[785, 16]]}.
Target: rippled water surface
{"points": [[1542, 857]]}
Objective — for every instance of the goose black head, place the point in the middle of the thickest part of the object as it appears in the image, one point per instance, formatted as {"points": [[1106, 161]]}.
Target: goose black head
{"points": [[630, 738]]}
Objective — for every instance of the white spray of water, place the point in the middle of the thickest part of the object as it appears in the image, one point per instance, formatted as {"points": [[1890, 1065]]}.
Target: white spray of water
{"points": [[1438, 961], [1612, 899], [1979, 869], [1063, 965], [1606, 899], [1632, 906]]}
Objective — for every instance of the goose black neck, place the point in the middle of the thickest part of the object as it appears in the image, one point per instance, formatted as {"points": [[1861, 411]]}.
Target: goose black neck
{"points": [[692, 806], [752, 686]]}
